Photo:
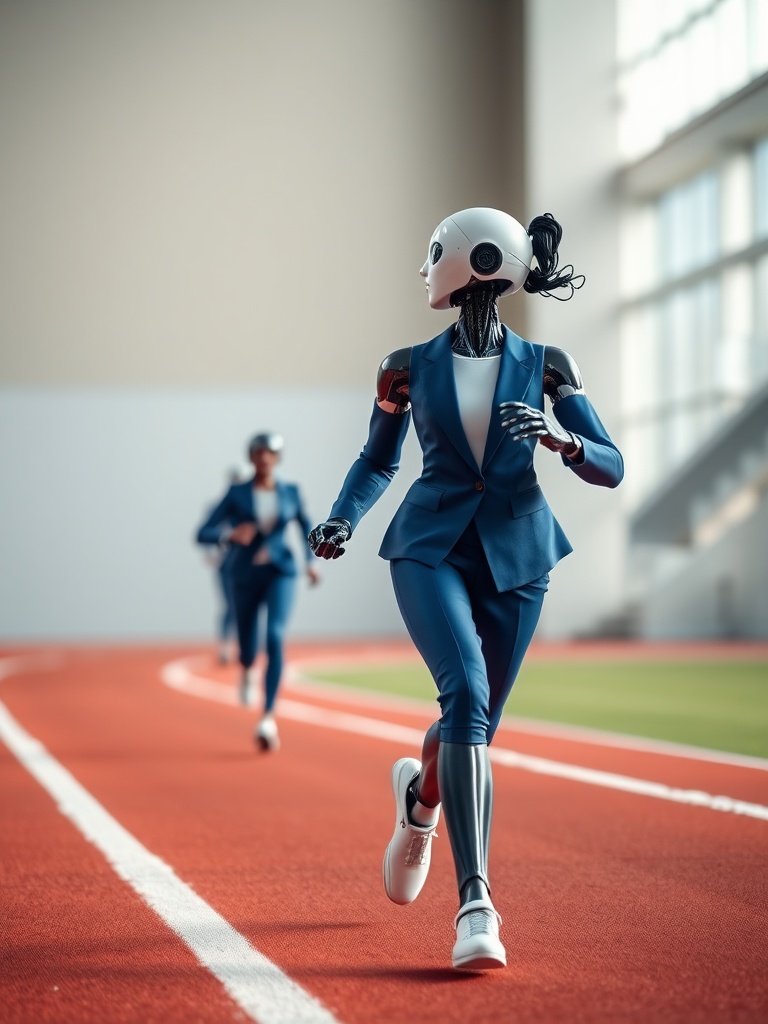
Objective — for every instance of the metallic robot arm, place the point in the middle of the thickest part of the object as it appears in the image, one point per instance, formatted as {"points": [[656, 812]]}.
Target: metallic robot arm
{"points": [[393, 380], [378, 461], [562, 376]]}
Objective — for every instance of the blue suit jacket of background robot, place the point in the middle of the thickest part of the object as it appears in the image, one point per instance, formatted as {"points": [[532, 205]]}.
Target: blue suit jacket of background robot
{"points": [[237, 507]]}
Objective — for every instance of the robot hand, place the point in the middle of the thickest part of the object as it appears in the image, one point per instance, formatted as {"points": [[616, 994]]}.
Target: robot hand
{"points": [[326, 540], [523, 421]]}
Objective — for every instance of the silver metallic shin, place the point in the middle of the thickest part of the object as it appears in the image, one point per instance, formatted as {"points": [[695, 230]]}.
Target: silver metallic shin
{"points": [[466, 788]]}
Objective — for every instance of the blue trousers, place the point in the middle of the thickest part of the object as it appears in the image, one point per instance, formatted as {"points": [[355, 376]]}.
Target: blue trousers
{"points": [[472, 638], [227, 621], [262, 586]]}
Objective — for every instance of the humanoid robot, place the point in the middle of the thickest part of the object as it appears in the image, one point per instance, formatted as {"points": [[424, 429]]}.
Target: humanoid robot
{"points": [[471, 546], [250, 523]]}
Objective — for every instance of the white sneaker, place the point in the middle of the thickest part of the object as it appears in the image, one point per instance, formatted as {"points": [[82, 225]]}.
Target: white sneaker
{"points": [[266, 735], [407, 858], [478, 947]]}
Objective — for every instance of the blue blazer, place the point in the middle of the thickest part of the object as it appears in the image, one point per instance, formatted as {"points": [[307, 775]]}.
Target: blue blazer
{"points": [[520, 535], [237, 507]]}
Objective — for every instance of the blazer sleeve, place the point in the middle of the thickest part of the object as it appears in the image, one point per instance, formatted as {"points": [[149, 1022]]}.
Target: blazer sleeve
{"points": [[602, 464], [213, 527], [375, 468]]}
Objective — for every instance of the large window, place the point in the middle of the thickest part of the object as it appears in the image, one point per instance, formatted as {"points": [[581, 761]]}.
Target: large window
{"points": [[678, 58], [761, 187], [695, 312]]}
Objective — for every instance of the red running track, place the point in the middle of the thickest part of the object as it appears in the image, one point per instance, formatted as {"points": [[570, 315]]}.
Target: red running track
{"points": [[617, 907]]}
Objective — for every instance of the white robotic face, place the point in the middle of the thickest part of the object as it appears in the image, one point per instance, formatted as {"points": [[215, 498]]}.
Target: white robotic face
{"points": [[479, 243]]}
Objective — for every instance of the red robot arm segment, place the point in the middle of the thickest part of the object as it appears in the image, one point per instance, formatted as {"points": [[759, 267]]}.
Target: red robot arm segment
{"points": [[393, 381]]}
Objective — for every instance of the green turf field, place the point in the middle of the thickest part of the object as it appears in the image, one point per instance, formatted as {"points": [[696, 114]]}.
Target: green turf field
{"points": [[718, 704]]}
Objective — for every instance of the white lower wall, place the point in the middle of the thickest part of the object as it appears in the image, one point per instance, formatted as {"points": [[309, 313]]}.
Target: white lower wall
{"points": [[103, 490]]}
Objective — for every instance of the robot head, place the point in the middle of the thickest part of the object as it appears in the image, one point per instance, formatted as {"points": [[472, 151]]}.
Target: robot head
{"points": [[481, 244], [269, 441]]}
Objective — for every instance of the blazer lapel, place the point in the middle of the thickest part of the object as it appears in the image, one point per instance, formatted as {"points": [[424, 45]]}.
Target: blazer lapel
{"points": [[515, 375], [440, 388], [245, 499]]}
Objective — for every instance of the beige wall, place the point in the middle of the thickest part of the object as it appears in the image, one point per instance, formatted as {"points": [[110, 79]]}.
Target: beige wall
{"points": [[240, 193], [213, 219]]}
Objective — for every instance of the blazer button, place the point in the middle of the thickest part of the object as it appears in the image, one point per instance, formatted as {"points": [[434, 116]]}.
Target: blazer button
{"points": [[479, 486]]}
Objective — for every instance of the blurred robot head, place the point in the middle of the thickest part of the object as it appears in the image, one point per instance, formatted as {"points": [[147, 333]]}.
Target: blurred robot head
{"points": [[479, 244], [267, 441]]}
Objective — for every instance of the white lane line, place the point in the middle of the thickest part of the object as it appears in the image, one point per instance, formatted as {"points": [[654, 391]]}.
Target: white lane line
{"points": [[177, 675], [300, 680], [257, 985], [622, 740], [541, 766]]}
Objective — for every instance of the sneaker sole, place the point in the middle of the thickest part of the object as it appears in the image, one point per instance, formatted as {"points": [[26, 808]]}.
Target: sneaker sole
{"points": [[385, 875], [266, 745], [479, 963], [481, 952]]}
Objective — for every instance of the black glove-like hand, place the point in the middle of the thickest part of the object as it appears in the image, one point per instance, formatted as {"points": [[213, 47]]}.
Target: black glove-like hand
{"points": [[522, 421], [326, 539]]}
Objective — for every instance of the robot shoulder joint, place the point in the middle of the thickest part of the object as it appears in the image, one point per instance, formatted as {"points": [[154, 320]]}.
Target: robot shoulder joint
{"points": [[393, 382], [562, 376]]}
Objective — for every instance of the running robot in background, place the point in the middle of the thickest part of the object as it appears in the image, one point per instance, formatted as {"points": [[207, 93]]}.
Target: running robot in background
{"points": [[251, 520], [471, 546]]}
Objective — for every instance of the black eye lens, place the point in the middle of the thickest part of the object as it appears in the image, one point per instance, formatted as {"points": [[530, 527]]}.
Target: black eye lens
{"points": [[435, 253]]}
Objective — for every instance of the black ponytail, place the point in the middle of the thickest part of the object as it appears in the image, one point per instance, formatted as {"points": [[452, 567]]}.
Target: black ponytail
{"points": [[545, 234]]}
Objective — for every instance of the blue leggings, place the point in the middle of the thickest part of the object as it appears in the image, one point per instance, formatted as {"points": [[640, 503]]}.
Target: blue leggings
{"points": [[263, 586], [472, 638], [227, 621]]}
